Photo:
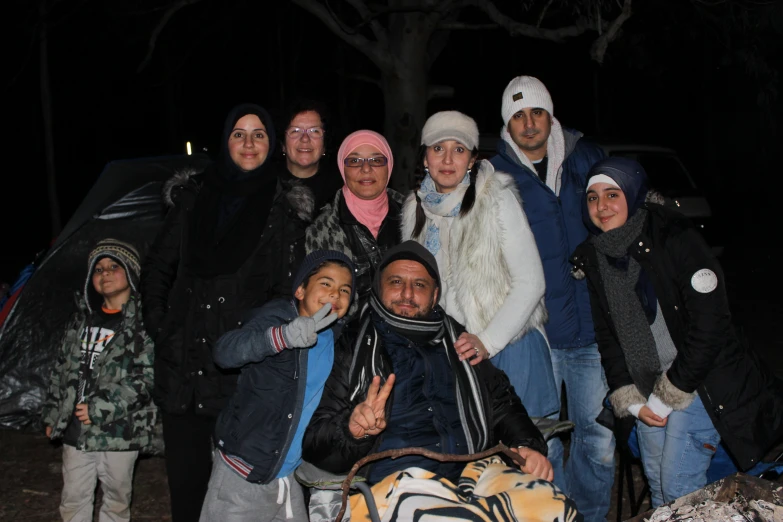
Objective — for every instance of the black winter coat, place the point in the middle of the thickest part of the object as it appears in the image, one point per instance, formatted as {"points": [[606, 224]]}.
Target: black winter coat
{"points": [[185, 314], [330, 446], [741, 396], [262, 417]]}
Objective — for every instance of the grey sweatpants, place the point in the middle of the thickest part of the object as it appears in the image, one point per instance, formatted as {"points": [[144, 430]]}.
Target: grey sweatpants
{"points": [[231, 498], [81, 470]]}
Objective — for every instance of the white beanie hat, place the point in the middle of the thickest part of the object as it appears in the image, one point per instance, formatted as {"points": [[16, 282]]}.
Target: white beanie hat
{"points": [[525, 92], [450, 125]]}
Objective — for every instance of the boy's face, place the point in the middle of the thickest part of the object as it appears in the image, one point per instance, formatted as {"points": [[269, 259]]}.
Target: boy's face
{"points": [[109, 279], [331, 284]]}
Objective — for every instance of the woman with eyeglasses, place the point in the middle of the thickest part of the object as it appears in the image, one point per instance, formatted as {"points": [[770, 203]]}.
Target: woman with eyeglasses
{"points": [[363, 219], [217, 255], [470, 218], [304, 146]]}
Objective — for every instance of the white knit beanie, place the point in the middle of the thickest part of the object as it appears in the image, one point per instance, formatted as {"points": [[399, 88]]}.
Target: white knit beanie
{"points": [[525, 92], [450, 125]]}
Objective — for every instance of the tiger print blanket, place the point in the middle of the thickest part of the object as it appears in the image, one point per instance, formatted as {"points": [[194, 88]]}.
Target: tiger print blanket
{"points": [[488, 490]]}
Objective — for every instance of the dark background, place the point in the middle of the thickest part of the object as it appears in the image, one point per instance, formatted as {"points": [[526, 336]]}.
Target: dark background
{"points": [[702, 78]]}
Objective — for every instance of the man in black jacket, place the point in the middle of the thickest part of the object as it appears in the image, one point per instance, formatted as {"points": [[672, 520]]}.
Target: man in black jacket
{"points": [[430, 397]]}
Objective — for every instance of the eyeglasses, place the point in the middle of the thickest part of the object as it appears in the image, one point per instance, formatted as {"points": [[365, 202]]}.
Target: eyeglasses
{"points": [[296, 133], [375, 161]]}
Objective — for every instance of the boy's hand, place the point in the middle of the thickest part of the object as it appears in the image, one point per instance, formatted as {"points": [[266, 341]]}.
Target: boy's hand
{"points": [[302, 332], [82, 413], [48, 432]]}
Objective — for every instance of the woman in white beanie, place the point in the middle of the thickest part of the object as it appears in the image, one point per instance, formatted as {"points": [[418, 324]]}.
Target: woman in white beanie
{"points": [[470, 218]]}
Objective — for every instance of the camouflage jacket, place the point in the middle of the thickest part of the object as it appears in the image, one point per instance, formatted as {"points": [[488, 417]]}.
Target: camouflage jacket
{"points": [[120, 407]]}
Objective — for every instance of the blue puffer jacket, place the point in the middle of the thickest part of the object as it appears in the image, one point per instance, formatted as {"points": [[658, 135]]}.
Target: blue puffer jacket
{"points": [[558, 228]]}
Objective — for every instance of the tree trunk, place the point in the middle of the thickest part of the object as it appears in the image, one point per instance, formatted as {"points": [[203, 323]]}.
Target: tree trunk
{"points": [[406, 111], [46, 111], [405, 91]]}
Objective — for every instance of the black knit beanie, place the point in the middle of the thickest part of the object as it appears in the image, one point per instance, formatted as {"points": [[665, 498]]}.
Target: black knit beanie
{"points": [[408, 250], [316, 258]]}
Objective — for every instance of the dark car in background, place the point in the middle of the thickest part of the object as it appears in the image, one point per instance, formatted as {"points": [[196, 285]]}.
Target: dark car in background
{"points": [[667, 174]]}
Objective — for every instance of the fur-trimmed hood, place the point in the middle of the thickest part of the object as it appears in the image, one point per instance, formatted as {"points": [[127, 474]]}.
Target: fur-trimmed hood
{"points": [[300, 197]]}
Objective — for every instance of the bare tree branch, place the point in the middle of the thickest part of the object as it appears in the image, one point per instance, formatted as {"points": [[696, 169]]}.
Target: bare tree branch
{"points": [[364, 78], [598, 49], [459, 26], [170, 12], [440, 91], [543, 13], [515, 28], [372, 50], [367, 16]]}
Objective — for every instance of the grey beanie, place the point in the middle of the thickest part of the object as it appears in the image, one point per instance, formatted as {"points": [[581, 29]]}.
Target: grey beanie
{"points": [[450, 125]]}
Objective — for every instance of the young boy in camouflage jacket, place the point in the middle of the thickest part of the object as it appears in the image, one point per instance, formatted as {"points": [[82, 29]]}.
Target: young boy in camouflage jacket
{"points": [[98, 400]]}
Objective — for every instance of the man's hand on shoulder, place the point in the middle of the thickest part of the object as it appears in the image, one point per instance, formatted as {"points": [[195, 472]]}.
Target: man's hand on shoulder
{"points": [[369, 417], [535, 463]]}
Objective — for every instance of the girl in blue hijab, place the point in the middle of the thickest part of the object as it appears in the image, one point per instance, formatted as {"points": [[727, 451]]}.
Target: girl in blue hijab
{"points": [[671, 356]]}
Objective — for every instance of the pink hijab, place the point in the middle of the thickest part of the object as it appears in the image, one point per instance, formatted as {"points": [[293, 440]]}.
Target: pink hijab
{"points": [[369, 213]]}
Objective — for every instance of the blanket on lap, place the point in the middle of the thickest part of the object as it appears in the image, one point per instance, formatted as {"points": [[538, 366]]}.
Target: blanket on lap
{"points": [[487, 490]]}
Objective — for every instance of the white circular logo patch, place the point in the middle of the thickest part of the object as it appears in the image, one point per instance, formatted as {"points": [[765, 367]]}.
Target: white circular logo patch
{"points": [[704, 281]]}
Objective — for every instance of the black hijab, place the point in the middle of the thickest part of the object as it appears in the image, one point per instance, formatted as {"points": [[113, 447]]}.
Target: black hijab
{"points": [[233, 205]]}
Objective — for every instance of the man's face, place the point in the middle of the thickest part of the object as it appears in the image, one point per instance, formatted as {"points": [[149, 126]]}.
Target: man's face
{"points": [[530, 128], [407, 289]]}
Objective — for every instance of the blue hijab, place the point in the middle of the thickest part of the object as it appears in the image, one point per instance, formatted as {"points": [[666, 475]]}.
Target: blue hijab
{"points": [[632, 179]]}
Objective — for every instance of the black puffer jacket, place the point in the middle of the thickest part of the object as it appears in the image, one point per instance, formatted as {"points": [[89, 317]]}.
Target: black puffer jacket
{"points": [[489, 406], [185, 314], [741, 396]]}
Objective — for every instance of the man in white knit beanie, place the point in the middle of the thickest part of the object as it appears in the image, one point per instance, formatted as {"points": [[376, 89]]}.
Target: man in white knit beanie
{"points": [[549, 164]]}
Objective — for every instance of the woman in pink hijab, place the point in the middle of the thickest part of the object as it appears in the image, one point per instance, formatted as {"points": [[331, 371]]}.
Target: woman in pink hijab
{"points": [[363, 220]]}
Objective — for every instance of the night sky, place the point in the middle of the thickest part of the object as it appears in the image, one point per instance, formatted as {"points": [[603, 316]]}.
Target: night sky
{"points": [[703, 79]]}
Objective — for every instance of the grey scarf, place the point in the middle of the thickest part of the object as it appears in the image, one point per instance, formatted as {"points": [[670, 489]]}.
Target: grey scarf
{"points": [[630, 322]]}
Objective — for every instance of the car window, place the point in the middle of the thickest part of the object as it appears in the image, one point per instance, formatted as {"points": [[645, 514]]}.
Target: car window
{"points": [[665, 171]]}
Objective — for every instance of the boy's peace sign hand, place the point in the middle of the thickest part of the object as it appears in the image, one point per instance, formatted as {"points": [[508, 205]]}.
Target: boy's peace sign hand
{"points": [[369, 417]]}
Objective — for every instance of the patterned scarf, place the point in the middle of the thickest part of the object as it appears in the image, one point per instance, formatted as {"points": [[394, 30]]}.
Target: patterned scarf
{"points": [[629, 318], [439, 207]]}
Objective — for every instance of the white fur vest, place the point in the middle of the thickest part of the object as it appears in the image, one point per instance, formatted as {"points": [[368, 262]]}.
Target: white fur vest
{"points": [[478, 275]]}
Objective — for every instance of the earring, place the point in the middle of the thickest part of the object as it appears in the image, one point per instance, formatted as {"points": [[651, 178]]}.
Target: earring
{"points": [[427, 171], [469, 170]]}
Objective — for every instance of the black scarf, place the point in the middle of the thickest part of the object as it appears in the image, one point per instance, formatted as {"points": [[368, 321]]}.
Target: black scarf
{"points": [[628, 315], [232, 207]]}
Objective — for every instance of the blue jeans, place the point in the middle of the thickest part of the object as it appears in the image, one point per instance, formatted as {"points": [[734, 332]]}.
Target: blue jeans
{"points": [[676, 457], [588, 474], [528, 365]]}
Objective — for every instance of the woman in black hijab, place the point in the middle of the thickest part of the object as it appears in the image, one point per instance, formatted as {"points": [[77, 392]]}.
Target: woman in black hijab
{"points": [[229, 242]]}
